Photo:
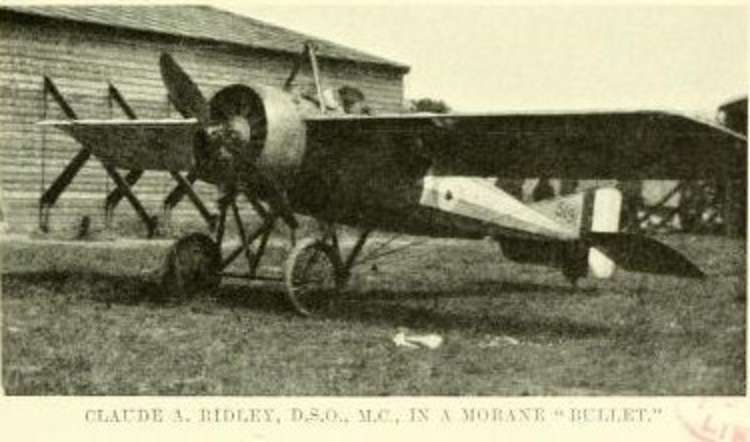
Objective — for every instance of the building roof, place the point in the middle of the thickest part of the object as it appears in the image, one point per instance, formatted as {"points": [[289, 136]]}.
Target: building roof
{"points": [[203, 23]]}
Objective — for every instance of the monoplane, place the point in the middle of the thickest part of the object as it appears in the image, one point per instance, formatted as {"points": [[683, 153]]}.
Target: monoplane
{"points": [[292, 155]]}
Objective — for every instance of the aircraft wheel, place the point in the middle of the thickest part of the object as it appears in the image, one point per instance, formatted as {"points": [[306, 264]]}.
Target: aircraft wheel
{"points": [[193, 265], [312, 277]]}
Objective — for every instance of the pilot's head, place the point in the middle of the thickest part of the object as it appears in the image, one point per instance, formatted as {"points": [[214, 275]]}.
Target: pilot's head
{"points": [[352, 99]]}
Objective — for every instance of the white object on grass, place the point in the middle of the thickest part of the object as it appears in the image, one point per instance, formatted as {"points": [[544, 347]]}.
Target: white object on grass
{"points": [[431, 341]]}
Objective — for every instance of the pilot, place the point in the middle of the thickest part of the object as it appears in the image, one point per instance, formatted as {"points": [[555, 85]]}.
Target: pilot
{"points": [[353, 101], [346, 99]]}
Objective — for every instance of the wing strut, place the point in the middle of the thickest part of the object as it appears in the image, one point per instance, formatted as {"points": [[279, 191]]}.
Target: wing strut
{"points": [[309, 51]]}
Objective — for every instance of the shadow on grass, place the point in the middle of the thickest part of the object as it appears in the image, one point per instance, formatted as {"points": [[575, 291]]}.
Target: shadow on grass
{"points": [[395, 308], [490, 288], [138, 289], [391, 308], [475, 318], [96, 286]]}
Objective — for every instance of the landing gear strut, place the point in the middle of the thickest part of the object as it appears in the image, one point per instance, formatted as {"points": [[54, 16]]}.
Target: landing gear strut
{"points": [[314, 271], [575, 263]]}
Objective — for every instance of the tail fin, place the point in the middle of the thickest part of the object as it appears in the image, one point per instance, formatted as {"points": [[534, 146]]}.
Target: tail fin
{"points": [[595, 214], [638, 253], [605, 217], [594, 210]]}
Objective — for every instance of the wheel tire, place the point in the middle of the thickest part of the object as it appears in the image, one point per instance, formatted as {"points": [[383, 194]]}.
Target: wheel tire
{"points": [[312, 276], [193, 265]]}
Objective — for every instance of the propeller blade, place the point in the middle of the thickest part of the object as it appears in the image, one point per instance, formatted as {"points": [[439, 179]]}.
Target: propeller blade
{"points": [[190, 102], [280, 205], [184, 93]]}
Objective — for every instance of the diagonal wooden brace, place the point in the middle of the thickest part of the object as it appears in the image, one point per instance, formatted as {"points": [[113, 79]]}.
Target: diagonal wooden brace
{"points": [[151, 222], [184, 187], [53, 192], [178, 192], [116, 195]]}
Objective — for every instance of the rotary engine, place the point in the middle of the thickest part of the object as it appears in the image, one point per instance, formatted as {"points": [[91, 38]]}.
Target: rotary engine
{"points": [[254, 134]]}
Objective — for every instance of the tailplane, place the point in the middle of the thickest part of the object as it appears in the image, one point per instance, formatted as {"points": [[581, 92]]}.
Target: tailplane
{"points": [[637, 253], [595, 215]]}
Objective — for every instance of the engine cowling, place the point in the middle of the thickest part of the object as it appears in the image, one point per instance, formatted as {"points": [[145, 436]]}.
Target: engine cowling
{"points": [[252, 129]]}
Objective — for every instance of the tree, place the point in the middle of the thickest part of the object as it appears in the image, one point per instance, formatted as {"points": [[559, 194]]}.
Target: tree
{"points": [[429, 105]]}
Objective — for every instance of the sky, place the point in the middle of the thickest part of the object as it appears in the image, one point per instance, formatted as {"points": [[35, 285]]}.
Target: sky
{"points": [[501, 57]]}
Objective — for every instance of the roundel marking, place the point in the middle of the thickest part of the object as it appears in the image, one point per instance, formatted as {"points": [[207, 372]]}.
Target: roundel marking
{"points": [[446, 192]]}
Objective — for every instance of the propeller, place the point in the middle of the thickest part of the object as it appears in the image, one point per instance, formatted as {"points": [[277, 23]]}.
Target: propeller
{"points": [[183, 92], [231, 131]]}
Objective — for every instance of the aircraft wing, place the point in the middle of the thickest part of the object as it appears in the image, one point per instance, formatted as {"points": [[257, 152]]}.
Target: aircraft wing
{"points": [[594, 145], [135, 144]]}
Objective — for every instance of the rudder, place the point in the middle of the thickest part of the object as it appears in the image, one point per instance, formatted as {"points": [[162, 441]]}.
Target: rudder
{"points": [[594, 210]]}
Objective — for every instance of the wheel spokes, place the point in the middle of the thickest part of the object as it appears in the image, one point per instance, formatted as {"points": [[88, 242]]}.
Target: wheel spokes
{"points": [[311, 277]]}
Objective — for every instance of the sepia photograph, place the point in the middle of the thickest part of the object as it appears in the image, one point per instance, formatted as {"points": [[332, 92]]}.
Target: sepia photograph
{"points": [[373, 200]]}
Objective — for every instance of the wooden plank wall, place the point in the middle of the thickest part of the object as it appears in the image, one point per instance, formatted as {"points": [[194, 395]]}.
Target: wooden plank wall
{"points": [[81, 59]]}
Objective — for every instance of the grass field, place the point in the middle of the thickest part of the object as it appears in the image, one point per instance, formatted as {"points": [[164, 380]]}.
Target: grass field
{"points": [[77, 320]]}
